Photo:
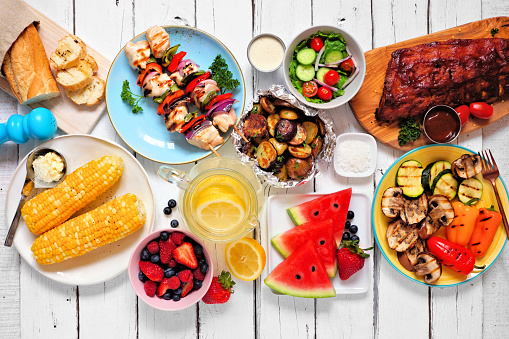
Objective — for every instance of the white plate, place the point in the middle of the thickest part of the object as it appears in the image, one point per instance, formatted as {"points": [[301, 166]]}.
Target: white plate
{"points": [[369, 140], [279, 221], [107, 261]]}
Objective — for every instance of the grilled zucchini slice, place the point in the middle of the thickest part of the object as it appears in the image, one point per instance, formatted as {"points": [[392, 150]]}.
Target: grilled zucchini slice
{"points": [[436, 169], [445, 184], [470, 191], [425, 176], [409, 178]]}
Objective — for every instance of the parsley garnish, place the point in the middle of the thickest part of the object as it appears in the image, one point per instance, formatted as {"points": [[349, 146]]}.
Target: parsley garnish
{"points": [[222, 75], [280, 158], [409, 130], [131, 98], [279, 136], [494, 31]]}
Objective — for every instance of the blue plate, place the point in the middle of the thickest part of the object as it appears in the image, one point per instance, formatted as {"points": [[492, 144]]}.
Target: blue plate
{"points": [[146, 132]]}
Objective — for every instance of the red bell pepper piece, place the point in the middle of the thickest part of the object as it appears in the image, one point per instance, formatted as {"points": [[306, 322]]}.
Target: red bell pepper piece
{"points": [[217, 99], [454, 256], [153, 66], [175, 61], [190, 86], [163, 108], [188, 125], [486, 226]]}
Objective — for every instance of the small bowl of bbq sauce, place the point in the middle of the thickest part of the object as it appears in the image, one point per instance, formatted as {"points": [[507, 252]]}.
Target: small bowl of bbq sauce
{"points": [[442, 124]]}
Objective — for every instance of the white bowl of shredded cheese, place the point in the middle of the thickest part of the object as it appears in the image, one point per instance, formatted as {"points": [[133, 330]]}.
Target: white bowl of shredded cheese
{"points": [[355, 155]]}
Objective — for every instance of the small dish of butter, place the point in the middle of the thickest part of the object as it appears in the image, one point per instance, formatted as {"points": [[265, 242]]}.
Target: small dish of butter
{"points": [[46, 167]]}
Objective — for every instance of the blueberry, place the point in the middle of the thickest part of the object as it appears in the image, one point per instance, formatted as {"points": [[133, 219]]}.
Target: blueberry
{"points": [[347, 225], [350, 215], [169, 272], [154, 258], [204, 268], [164, 235], [353, 229], [174, 223], [201, 261], [142, 277], [167, 296], [176, 297], [197, 284], [198, 249], [354, 238], [167, 211], [172, 203], [145, 255], [178, 291], [346, 236]]}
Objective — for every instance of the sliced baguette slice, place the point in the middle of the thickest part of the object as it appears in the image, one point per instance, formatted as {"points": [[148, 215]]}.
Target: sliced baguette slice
{"points": [[90, 94], [69, 51], [77, 77]]}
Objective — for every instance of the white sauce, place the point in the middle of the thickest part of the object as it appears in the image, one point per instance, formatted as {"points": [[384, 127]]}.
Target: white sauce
{"points": [[266, 53], [353, 156]]}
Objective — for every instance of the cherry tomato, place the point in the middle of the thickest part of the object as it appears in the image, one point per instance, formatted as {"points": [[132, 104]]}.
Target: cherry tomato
{"points": [[481, 110], [316, 43], [347, 66], [324, 93], [309, 89], [331, 77], [464, 113]]}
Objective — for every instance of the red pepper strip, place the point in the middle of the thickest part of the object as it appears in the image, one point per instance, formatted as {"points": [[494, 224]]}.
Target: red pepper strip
{"points": [[454, 256], [187, 126], [175, 61], [163, 108], [190, 86], [217, 99], [153, 66]]}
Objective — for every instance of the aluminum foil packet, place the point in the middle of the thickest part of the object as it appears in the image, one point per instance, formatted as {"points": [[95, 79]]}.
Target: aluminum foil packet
{"points": [[329, 144]]}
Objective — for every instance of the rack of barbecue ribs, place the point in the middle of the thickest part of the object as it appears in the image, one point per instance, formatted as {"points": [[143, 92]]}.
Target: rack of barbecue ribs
{"points": [[453, 72]]}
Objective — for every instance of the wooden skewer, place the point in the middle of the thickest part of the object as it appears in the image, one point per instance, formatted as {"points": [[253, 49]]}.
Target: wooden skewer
{"points": [[214, 151], [240, 133]]}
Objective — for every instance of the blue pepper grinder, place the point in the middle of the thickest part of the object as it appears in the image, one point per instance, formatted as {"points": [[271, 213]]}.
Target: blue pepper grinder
{"points": [[39, 124]]}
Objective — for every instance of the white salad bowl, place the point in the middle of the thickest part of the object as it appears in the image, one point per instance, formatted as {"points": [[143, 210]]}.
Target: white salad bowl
{"points": [[357, 54]]}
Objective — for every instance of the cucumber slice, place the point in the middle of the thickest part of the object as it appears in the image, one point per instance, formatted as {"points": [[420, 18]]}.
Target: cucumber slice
{"points": [[445, 184], [436, 169], [306, 56], [334, 56], [409, 178], [470, 191], [425, 176], [321, 73], [305, 73]]}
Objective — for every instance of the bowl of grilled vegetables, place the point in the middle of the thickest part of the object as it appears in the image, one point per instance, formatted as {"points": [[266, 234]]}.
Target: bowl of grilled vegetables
{"points": [[283, 139]]}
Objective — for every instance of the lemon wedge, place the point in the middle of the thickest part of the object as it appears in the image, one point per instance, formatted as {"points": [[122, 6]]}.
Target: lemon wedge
{"points": [[245, 259]]}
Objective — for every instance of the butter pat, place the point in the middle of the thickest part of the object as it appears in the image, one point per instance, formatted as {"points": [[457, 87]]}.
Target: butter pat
{"points": [[48, 167]]}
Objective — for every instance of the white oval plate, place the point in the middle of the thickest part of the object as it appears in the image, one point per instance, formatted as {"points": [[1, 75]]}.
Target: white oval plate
{"points": [[104, 262]]}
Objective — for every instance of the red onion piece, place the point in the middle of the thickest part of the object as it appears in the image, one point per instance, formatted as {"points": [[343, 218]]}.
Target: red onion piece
{"points": [[219, 106], [197, 129], [318, 58], [148, 77], [334, 89], [183, 63], [330, 64]]}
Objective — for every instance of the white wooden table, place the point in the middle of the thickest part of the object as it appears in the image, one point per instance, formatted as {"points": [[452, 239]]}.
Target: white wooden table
{"points": [[31, 306]]}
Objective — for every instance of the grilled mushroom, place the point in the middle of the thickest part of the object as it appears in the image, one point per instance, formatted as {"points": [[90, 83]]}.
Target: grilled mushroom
{"points": [[414, 210], [409, 258], [392, 202], [429, 267], [401, 236], [467, 166], [440, 213]]}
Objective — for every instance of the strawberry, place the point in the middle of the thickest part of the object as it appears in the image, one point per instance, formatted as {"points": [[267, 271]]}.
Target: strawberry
{"points": [[350, 258], [153, 247], [153, 271], [166, 248], [186, 288], [177, 237], [198, 275], [168, 284], [185, 276], [220, 289], [184, 254], [150, 287]]}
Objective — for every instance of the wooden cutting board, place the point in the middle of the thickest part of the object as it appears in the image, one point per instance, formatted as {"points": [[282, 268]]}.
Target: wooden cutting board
{"points": [[71, 118], [367, 99]]}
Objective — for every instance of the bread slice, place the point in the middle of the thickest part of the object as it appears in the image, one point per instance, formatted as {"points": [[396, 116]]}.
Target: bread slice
{"points": [[90, 94], [69, 51], [77, 77]]}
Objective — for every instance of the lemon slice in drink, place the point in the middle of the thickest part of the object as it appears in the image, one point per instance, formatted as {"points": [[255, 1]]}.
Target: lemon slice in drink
{"points": [[226, 183], [218, 210], [245, 258]]}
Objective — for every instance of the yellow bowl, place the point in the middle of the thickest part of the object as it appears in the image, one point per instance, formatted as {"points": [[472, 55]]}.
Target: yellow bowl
{"points": [[426, 155]]}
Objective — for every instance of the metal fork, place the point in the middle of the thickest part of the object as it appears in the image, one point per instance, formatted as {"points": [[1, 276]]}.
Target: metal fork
{"points": [[490, 172]]}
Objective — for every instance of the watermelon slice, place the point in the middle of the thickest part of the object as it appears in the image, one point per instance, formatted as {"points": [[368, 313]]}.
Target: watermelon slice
{"points": [[331, 206], [320, 234], [302, 274]]}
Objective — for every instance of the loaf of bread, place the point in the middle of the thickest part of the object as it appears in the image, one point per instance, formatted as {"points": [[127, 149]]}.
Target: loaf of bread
{"points": [[77, 77], [89, 95], [69, 51], [27, 69]]}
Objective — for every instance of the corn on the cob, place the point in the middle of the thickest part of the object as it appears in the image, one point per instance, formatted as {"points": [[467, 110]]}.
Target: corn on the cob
{"points": [[54, 206], [105, 224]]}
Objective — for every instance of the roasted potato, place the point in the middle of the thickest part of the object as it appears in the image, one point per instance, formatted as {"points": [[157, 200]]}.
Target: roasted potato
{"points": [[266, 154], [255, 125], [316, 145], [279, 102], [285, 130], [257, 109], [267, 105], [321, 126], [257, 140], [312, 131], [297, 168], [300, 135], [301, 151], [279, 146], [288, 113], [272, 122], [249, 149], [282, 174]]}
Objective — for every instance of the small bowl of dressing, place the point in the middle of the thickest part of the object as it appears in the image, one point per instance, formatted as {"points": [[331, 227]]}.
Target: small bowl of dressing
{"points": [[46, 167], [442, 124], [265, 52]]}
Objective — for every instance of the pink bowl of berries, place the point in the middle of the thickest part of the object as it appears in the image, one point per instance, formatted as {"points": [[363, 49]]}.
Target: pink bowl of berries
{"points": [[170, 269]]}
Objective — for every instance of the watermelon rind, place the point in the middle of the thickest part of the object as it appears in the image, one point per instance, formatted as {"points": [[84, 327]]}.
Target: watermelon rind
{"points": [[316, 293]]}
